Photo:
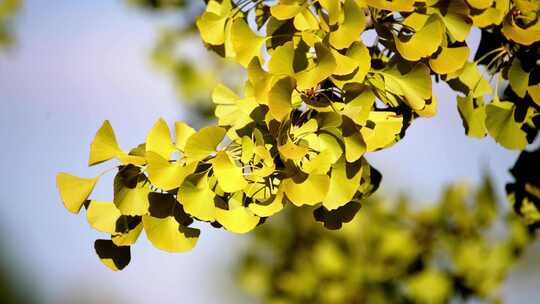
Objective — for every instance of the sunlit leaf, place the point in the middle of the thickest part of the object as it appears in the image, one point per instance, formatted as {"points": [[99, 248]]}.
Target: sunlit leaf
{"points": [[502, 126], [104, 146], [204, 143], [74, 191]]}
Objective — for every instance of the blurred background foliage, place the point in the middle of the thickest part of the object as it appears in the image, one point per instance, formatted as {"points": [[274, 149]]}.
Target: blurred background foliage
{"points": [[460, 248], [7, 10]]}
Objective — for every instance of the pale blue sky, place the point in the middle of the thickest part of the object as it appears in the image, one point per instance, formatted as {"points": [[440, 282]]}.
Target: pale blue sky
{"points": [[80, 62]]}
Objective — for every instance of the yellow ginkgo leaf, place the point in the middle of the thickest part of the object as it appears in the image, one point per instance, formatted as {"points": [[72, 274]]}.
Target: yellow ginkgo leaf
{"points": [[260, 80], [524, 36], [237, 218], [198, 199], [104, 146], [449, 60], [203, 143], [333, 10], [502, 127], [222, 95], [415, 85], [286, 10], [325, 66], [169, 235], [331, 144], [455, 15], [355, 146], [112, 256], [263, 164], [310, 191], [229, 175], [472, 79], [306, 21], [344, 65], [131, 192], [424, 42], [344, 181], [246, 44], [292, 151], [473, 113], [534, 92], [279, 98], [480, 4], [102, 216], [269, 207], [166, 175], [319, 164], [159, 139], [392, 5], [183, 131], [384, 133], [211, 27], [212, 22], [281, 62], [74, 190], [351, 28], [518, 78], [129, 236]]}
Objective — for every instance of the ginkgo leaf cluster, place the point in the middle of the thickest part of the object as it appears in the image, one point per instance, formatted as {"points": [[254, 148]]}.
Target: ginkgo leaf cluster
{"points": [[392, 252], [317, 98], [215, 175]]}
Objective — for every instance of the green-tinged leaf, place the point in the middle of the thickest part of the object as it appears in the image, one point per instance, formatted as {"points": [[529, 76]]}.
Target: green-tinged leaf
{"points": [[470, 81], [534, 92], [424, 42], [449, 60], [502, 126], [518, 78], [414, 86], [74, 191], [473, 114]]}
